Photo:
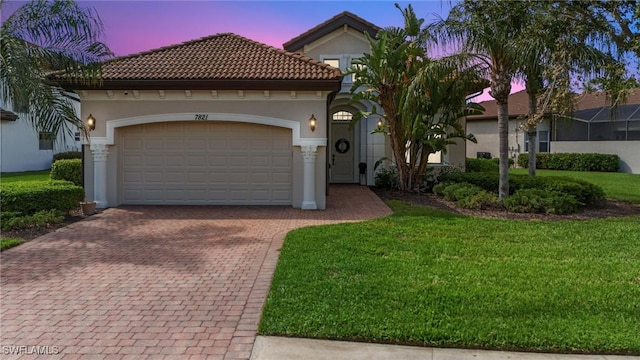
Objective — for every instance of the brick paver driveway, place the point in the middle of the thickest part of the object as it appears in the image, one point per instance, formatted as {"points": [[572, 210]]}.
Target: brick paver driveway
{"points": [[154, 282]]}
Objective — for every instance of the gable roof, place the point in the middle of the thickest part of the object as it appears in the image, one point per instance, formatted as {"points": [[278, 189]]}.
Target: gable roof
{"points": [[221, 61], [344, 18], [519, 104], [8, 115]]}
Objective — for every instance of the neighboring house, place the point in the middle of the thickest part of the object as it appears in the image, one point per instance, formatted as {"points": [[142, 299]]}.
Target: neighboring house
{"points": [[22, 148], [592, 128], [225, 120]]}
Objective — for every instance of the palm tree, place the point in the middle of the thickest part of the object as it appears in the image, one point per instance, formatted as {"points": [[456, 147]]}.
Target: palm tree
{"points": [[41, 37], [489, 30], [420, 98]]}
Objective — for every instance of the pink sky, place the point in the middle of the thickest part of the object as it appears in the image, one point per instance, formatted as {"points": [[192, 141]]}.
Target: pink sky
{"points": [[135, 26]]}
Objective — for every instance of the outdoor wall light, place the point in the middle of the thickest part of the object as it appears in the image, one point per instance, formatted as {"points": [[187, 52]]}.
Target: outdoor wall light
{"points": [[380, 124], [312, 122], [91, 122]]}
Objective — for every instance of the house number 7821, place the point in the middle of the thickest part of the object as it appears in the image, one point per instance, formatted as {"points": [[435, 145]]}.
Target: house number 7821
{"points": [[202, 116]]}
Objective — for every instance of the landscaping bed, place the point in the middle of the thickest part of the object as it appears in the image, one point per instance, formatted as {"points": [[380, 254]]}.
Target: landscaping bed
{"points": [[611, 208]]}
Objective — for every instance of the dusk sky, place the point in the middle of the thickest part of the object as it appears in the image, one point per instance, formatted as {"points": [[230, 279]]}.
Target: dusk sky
{"points": [[135, 26]]}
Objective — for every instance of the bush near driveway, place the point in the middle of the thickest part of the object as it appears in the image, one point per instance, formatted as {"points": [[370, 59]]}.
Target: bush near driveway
{"points": [[67, 169], [432, 278], [29, 197], [67, 155], [7, 243]]}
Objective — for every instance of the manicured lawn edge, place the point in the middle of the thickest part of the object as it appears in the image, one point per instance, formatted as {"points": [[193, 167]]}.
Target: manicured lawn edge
{"points": [[8, 243], [430, 278]]}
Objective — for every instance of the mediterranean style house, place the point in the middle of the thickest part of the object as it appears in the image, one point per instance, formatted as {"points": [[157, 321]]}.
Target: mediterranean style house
{"points": [[594, 127], [22, 148], [225, 120]]}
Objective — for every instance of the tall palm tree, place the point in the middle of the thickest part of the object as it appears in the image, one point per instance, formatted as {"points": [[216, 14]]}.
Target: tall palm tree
{"points": [[41, 37], [420, 98], [489, 30]]}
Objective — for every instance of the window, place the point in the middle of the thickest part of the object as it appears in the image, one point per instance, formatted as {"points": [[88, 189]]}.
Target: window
{"points": [[333, 62], [359, 67], [45, 141], [543, 141], [342, 116]]}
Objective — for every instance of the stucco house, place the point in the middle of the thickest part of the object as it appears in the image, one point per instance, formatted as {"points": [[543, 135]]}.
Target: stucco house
{"points": [[225, 120], [22, 148], [594, 127]]}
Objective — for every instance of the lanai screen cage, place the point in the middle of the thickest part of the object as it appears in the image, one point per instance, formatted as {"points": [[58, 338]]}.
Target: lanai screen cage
{"points": [[600, 124]]}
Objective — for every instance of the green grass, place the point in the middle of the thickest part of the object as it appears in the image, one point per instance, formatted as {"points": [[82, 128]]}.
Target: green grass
{"points": [[6, 243], [618, 186], [431, 278], [25, 176]]}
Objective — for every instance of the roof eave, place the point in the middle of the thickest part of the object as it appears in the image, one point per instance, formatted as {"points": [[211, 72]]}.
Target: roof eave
{"points": [[300, 41], [235, 84]]}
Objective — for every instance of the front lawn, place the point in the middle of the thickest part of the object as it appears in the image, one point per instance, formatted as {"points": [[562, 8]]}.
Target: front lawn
{"points": [[619, 186], [7, 243], [25, 176], [427, 277]]}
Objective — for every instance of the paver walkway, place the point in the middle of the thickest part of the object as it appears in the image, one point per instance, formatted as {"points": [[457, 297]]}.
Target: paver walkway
{"points": [[154, 282]]}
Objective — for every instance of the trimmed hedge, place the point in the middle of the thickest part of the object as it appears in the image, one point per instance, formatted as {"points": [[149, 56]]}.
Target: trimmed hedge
{"points": [[587, 194], [29, 197], [67, 155], [67, 169], [481, 165], [573, 161], [541, 201]]}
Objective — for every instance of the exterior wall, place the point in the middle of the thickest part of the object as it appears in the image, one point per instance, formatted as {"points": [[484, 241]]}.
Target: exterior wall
{"points": [[628, 151], [339, 42], [486, 132], [19, 145], [289, 106]]}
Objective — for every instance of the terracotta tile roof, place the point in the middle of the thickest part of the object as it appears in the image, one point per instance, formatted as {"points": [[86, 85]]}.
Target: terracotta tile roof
{"points": [[223, 56], [519, 103], [336, 22]]}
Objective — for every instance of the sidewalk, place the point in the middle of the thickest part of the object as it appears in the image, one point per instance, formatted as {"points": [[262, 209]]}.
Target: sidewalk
{"points": [[281, 348]]}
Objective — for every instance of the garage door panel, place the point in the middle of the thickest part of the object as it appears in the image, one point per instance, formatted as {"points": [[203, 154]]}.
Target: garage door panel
{"points": [[213, 163]]}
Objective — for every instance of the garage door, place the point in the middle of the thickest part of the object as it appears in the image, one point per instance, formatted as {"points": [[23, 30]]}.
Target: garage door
{"points": [[205, 163]]}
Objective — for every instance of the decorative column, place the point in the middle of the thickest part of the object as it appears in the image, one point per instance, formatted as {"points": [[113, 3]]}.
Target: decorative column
{"points": [[309, 153], [100, 152]]}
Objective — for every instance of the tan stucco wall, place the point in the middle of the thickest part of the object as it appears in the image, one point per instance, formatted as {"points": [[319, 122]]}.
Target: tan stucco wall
{"points": [[280, 105], [486, 132], [628, 151], [336, 43]]}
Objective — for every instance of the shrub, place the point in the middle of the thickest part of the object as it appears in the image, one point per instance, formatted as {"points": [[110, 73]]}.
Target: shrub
{"points": [[69, 169], [541, 201], [481, 200], [67, 155], [587, 194], [387, 179], [438, 189], [40, 218], [487, 181], [573, 161], [434, 175], [29, 197], [481, 165], [455, 192]]}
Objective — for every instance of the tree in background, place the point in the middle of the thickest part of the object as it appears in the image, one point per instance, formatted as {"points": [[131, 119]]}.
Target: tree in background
{"points": [[489, 31], [41, 37], [420, 98]]}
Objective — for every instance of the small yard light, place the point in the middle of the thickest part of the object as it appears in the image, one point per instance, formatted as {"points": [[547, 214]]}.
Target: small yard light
{"points": [[91, 122], [380, 124], [312, 123]]}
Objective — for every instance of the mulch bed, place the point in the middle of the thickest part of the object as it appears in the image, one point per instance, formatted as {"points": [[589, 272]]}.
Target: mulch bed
{"points": [[612, 208]]}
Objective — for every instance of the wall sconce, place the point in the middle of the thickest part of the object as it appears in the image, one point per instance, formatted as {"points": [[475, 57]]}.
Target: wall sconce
{"points": [[312, 122], [91, 122], [380, 124]]}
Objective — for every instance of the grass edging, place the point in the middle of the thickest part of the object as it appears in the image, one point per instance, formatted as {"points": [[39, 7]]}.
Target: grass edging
{"points": [[431, 278]]}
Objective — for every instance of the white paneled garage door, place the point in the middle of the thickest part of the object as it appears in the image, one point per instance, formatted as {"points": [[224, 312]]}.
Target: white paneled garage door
{"points": [[198, 163]]}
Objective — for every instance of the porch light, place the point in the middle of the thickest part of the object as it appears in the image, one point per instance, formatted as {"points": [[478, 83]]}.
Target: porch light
{"points": [[312, 123], [91, 122], [380, 124]]}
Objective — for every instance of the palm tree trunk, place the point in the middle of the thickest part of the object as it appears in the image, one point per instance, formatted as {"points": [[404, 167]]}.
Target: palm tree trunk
{"points": [[533, 140], [532, 129], [503, 134]]}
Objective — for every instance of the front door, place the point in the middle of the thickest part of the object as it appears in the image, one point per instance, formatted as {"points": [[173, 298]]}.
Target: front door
{"points": [[342, 152]]}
